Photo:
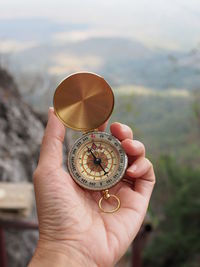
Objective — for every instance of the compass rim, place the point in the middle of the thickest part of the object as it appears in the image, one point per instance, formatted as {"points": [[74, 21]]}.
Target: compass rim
{"points": [[102, 187]]}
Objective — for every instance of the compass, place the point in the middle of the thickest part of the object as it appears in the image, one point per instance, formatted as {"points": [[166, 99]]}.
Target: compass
{"points": [[84, 101]]}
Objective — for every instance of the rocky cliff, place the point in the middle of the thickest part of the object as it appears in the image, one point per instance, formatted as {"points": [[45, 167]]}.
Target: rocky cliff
{"points": [[21, 131]]}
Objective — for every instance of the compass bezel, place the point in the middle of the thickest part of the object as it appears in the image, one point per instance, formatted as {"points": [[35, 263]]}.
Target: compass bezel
{"points": [[97, 185]]}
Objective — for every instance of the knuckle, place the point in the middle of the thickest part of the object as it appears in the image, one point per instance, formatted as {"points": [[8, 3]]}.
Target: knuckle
{"points": [[153, 179], [149, 163], [143, 148], [127, 141], [140, 146], [151, 171]]}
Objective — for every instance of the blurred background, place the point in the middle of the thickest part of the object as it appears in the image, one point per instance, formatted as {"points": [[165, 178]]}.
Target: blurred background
{"points": [[149, 52]]}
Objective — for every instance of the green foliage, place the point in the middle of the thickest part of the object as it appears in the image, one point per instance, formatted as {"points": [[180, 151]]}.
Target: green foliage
{"points": [[169, 126], [196, 106], [176, 239], [165, 124]]}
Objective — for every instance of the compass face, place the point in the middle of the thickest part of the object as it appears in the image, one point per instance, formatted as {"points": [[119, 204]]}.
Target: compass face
{"points": [[97, 161]]}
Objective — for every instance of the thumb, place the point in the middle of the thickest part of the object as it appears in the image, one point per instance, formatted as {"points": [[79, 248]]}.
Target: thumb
{"points": [[52, 144]]}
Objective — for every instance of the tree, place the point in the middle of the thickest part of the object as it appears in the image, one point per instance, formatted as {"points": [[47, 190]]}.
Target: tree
{"points": [[176, 242]]}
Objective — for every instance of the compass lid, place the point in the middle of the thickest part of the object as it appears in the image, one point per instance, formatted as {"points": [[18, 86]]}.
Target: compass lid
{"points": [[83, 101]]}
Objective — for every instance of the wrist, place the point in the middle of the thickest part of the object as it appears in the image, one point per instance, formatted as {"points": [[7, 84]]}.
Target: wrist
{"points": [[52, 255]]}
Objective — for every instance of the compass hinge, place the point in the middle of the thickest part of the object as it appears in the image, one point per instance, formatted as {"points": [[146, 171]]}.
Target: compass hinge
{"points": [[90, 131]]}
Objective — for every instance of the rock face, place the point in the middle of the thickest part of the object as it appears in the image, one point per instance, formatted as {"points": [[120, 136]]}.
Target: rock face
{"points": [[21, 133]]}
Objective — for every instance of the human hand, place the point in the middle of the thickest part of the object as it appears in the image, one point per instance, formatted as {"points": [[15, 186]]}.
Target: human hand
{"points": [[72, 229]]}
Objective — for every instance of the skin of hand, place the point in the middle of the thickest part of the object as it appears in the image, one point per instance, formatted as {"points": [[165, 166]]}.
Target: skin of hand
{"points": [[73, 231]]}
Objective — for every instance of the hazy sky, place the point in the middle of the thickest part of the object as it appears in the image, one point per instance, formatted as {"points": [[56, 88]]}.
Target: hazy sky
{"points": [[173, 24]]}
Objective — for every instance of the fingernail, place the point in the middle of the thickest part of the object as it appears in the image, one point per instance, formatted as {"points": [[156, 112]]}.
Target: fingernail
{"points": [[132, 168]]}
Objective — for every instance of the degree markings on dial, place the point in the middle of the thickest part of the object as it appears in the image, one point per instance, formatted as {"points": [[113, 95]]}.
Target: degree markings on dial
{"points": [[102, 149]]}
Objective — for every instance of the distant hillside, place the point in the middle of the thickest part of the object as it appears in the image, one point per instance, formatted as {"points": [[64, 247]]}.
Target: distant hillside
{"points": [[165, 122], [120, 61], [35, 47]]}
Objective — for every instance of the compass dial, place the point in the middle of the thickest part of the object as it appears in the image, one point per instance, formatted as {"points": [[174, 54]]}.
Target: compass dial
{"points": [[97, 161]]}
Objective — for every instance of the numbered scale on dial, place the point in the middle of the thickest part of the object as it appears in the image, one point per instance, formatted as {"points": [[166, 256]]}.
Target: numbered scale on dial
{"points": [[84, 101], [97, 161]]}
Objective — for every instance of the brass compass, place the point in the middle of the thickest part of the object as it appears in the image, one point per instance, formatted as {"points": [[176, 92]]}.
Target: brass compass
{"points": [[84, 101]]}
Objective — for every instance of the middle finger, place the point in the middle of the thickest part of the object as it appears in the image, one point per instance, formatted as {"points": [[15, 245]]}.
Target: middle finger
{"points": [[134, 149]]}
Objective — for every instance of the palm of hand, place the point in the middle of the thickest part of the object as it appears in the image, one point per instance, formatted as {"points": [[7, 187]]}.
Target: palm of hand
{"points": [[80, 223], [69, 216]]}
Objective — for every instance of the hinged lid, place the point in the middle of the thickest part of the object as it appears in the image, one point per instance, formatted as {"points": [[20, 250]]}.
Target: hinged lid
{"points": [[83, 101]]}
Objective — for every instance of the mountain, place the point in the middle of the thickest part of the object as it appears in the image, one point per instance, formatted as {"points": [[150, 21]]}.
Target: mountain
{"points": [[120, 61], [37, 47]]}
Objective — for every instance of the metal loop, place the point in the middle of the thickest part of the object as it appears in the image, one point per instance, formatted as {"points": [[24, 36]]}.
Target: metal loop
{"points": [[112, 210]]}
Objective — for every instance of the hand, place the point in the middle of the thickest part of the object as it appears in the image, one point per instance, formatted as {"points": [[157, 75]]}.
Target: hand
{"points": [[72, 229]]}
